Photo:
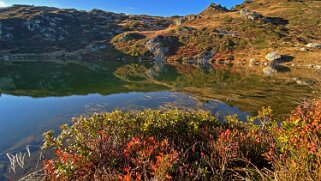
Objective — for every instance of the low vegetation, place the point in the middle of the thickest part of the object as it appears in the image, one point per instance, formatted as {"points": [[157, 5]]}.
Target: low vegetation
{"points": [[174, 145], [131, 43]]}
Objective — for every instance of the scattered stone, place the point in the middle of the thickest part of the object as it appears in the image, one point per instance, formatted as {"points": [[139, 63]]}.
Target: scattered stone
{"points": [[314, 45], [246, 13], [311, 65], [303, 49], [299, 81], [268, 71], [273, 57], [227, 33]]}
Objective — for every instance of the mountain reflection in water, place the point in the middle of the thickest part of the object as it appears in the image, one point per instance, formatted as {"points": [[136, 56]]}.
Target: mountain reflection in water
{"points": [[38, 96]]}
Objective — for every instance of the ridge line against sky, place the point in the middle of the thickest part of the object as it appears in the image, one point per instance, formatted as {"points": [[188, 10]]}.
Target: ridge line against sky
{"points": [[149, 7]]}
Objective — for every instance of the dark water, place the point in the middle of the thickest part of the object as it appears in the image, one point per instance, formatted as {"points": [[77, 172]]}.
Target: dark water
{"points": [[38, 96]]}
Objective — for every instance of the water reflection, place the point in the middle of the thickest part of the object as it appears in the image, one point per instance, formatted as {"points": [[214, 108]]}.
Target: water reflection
{"points": [[37, 96], [236, 86], [22, 117]]}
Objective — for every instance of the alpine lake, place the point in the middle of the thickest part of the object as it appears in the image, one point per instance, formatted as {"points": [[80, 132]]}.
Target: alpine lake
{"points": [[37, 96]]}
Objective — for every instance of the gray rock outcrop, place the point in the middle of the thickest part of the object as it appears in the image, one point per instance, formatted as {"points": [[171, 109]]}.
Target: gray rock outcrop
{"points": [[157, 46]]}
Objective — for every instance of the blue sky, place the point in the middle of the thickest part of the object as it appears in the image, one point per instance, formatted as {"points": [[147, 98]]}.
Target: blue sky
{"points": [[151, 7]]}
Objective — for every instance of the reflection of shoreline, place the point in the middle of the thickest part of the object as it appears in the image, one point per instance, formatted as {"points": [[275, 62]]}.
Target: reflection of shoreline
{"points": [[52, 57], [223, 82]]}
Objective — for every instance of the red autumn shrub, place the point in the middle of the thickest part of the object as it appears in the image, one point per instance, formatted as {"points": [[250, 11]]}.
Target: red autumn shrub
{"points": [[176, 145], [298, 152]]}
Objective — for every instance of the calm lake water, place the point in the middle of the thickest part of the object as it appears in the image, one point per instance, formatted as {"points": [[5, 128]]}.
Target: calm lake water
{"points": [[38, 96]]}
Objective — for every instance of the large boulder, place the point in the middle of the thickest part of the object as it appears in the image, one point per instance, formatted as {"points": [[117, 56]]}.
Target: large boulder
{"points": [[314, 45], [273, 57]]}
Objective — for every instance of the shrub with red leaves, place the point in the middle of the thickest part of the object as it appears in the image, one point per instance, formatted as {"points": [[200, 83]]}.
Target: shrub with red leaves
{"points": [[176, 145]]}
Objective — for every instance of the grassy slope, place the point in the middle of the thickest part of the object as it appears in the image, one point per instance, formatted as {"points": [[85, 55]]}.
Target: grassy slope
{"points": [[254, 38]]}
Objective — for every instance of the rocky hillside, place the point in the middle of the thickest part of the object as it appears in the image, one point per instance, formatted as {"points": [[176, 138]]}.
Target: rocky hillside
{"points": [[31, 29], [290, 29]]}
